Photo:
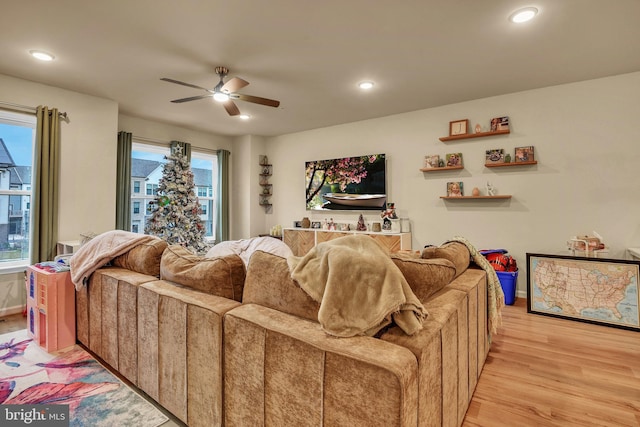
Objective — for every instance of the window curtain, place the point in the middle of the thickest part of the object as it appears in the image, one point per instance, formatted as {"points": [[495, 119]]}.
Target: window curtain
{"points": [[222, 205], [46, 185], [123, 182], [186, 148]]}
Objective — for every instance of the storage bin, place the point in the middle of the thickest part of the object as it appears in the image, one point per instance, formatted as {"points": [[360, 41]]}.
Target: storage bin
{"points": [[508, 282]]}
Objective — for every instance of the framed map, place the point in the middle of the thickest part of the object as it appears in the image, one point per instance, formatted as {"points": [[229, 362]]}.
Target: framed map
{"points": [[594, 290]]}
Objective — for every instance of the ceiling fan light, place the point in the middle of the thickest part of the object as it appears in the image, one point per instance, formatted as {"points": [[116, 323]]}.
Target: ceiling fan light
{"points": [[366, 85], [42, 56], [523, 15], [244, 117], [220, 97]]}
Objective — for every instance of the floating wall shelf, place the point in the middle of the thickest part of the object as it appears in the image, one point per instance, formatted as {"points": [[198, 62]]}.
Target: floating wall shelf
{"points": [[499, 165], [444, 168], [502, 196], [474, 135]]}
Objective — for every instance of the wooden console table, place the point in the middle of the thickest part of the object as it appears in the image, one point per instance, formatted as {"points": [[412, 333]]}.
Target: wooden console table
{"points": [[301, 240]]}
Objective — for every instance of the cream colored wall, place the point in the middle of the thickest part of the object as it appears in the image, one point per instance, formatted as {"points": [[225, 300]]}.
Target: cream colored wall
{"points": [[586, 138], [248, 218]]}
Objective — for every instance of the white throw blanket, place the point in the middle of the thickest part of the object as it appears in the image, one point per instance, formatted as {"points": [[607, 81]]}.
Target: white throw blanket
{"points": [[358, 286], [100, 250]]}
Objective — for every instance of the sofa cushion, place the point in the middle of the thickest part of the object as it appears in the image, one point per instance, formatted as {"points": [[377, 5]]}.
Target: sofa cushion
{"points": [[455, 252], [269, 284], [425, 276], [244, 248], [221, 276], [144, 258]]}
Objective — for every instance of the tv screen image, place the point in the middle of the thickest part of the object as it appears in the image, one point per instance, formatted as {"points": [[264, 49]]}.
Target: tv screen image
{"points": [[349, 183]]}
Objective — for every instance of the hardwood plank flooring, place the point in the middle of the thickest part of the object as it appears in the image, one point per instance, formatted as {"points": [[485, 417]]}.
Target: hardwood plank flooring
{"points": [[544, 371]]}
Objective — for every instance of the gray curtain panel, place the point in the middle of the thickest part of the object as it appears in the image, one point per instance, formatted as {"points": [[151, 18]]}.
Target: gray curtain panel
{"points": [[123, 182], [222, 211], [46, 185]]}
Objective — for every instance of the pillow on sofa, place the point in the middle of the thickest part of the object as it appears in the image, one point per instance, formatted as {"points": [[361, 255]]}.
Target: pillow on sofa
{"points": [[425, 276], [144, 258], [455, 252], [269, 284], [244, 248], [221, 276]]}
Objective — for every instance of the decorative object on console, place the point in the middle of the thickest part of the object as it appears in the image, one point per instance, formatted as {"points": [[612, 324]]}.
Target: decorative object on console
{"points": [[350, 183], [455, 189], [458, 127], [388, 215], [376, 227], [499, 123], [316, 224], [361, 225], [524, 154], [305, 223]]}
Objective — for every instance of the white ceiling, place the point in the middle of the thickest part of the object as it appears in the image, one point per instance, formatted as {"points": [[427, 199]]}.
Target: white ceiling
{"points": [[310, 54]]}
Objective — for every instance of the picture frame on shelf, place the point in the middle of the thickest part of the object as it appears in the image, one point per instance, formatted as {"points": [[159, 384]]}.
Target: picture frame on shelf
{"points": [[499, 123], [453, 159], [459, 127], [494, 155], [431, 161], [316, 224], [455, 189], [297, 224], [524, 154]]}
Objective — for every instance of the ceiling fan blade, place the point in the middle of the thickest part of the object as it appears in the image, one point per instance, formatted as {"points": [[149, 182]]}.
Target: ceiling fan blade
{"points": [[231, 108], [178, 82], [234, 85], [191, 98], [257, 100]]}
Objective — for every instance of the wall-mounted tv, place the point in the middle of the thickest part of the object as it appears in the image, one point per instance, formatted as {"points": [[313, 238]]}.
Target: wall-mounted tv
{"points": [[350, 183]]}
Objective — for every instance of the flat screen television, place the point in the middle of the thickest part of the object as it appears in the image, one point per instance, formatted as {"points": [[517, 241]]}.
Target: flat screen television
{"points": [[349, 183]]}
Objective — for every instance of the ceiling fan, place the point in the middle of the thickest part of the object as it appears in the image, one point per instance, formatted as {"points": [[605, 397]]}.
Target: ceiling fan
{"points": [[225, 93]]}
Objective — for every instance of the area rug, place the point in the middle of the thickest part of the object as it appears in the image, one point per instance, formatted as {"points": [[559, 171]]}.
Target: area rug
{"points": [[30, 375]]}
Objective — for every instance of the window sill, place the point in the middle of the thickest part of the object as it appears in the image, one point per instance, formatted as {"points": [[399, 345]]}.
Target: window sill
{"points": [[13, 268]]}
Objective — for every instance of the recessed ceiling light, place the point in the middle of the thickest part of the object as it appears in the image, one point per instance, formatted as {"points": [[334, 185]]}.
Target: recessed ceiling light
{"points": [[523, 15], [365, 85], [220, 97], [244, 116], [42, 56]]}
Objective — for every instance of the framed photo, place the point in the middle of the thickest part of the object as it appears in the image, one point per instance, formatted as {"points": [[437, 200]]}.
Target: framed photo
{"points": [[495, 155], [455, 189], [499, 123], [458, 127], [431, 161], [316, 224], [453, 159], [593, 290], [297, 224], [524, 154]]}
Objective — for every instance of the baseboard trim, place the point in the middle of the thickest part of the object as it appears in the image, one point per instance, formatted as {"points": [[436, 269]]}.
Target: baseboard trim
{"points": [[8, 311]]}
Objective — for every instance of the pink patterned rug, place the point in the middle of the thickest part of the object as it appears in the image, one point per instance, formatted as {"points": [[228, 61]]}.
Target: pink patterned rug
{"points": [[30, 375]]}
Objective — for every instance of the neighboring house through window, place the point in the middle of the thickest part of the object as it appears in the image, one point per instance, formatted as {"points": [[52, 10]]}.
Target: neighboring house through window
{"points": [[17, 137]]}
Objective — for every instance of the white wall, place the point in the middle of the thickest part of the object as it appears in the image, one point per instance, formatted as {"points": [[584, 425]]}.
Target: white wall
{"points": [[587, 142]]}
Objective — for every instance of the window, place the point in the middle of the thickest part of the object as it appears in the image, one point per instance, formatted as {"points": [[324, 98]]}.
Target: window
{"points": [[146, 167], [17, 137]]}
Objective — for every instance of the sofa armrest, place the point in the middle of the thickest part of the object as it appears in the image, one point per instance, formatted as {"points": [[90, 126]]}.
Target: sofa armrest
{"points": [[275, 361]]}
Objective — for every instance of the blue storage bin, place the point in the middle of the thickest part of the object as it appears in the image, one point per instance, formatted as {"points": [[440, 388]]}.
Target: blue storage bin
{"points": [[508, 283]]}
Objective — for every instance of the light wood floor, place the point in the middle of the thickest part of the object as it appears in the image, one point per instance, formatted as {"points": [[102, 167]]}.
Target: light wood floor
{"points": [[544, 371]]}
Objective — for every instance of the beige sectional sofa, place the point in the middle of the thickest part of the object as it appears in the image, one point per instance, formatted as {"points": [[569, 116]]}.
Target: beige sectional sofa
{"points": [[262, 359]]}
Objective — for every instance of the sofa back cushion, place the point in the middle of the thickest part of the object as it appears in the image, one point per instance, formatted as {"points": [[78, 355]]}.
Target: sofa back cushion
{"points": [[425, 276], [455, 252], [143, 258], [221, 276], [269, 284]]}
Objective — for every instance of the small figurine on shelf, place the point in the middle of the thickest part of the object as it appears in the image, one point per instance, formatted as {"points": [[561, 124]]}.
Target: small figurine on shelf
{"points": [[332, 225], [361, 225], [491, 191], [325, 224], [387, 215], [478, 128]]}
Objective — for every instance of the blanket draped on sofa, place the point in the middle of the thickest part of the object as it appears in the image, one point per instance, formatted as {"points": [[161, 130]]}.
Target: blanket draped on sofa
{"points": [[100, 250], [359, 288]]}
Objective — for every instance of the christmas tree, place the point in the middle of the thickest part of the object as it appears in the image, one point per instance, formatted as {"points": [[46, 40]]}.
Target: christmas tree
{"points": [[176, 211]]}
